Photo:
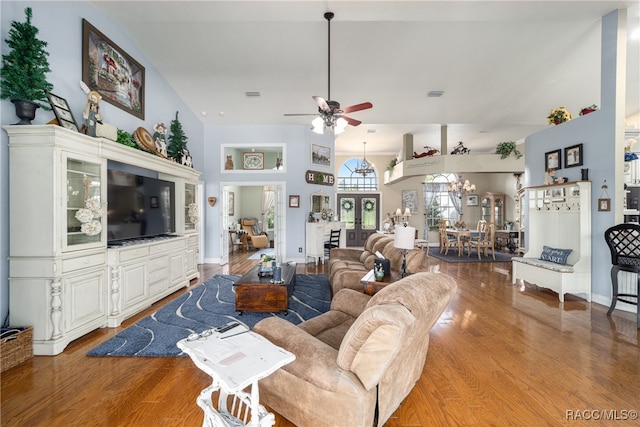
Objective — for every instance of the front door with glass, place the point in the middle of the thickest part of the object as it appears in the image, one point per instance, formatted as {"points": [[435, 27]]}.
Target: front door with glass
{"points": [[360, 213]]}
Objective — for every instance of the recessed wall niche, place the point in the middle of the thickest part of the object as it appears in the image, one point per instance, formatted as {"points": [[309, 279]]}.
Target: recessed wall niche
{"points": [[253, 158]]}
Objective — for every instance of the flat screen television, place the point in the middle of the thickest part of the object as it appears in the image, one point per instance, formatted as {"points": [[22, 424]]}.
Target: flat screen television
{"points": [[138, 206]]}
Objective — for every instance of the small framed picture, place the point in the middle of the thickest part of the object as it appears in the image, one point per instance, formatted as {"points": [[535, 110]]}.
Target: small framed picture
{"points": [[557, 194], [472, 200], [253, 160], [320, 155], [604, 205], [294, 201], [153, 202], [552, 160], [232, 202], [573, 156], [62, 111]]}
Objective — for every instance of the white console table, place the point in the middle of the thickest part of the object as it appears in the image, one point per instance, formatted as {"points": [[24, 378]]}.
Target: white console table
{"points": [[317, 233], [234, 361]]}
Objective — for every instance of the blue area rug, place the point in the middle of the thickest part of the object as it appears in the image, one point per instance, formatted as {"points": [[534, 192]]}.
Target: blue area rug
{"points": [[453, 256], [207, 306]]}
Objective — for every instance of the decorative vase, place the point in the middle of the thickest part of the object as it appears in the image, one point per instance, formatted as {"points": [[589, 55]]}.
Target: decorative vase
{"points": [[25, 110]]}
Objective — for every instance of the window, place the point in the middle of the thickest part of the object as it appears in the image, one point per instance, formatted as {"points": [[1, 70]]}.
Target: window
{"points": [[350, 180], [438, 204]]}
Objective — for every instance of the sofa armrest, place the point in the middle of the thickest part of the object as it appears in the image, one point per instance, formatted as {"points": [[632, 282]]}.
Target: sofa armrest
{"points": [[316, 362], [350, 302]]}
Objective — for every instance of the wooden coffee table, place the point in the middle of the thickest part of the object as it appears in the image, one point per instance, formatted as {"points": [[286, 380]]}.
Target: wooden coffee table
{"points": [[258, 294], [371, 285]]}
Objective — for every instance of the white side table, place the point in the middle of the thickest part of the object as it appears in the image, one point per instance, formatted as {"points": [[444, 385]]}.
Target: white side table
{"points": [[234, 361]]}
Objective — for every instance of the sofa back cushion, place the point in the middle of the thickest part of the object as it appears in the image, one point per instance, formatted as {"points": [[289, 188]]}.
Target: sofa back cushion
{"points": [[373, 341], [371, 240]]}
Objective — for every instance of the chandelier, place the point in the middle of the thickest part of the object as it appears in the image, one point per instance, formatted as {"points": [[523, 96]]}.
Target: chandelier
{"points": [[364, 168], [338, 124], [461, 187]]}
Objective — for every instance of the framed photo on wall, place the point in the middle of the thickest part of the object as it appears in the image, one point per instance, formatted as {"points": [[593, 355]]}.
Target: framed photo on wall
{"points": [[294, 201], [410, 200], [232, 202], [472, 200], [604, 205], [573, 156], [552, 160], [111, 72], [320, 155], [253, 160]]}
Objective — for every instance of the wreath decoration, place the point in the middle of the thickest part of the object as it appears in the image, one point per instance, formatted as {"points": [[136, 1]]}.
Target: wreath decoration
{"points": [[346, 205], [369, 206]]}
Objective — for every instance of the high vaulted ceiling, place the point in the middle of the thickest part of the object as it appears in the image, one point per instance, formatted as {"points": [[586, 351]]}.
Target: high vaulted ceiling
{"points": [[503, 65]]}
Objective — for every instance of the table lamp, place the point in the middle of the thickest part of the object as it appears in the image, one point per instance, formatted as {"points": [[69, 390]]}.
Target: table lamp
{"points": [[404, 240]]}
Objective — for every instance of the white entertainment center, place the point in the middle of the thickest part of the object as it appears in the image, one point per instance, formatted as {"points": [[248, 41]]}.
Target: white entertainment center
{"points": [[65, 279]]}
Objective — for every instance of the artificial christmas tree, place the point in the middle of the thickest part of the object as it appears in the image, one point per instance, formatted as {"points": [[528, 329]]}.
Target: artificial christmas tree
{"points": [[24, 69], [177, 141]]}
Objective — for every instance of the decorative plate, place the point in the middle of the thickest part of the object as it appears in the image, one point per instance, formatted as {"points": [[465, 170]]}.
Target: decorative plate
{"points": [[144, 139]]}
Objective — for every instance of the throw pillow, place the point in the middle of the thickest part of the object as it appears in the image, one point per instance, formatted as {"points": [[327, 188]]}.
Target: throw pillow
{"points": [[558, 256]]}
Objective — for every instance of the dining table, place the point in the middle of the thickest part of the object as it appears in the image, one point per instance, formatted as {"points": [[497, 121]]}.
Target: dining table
{"points": [[460, 234]]}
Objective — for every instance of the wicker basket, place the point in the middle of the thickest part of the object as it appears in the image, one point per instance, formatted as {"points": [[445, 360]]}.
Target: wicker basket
{"points": [[15, 348]]}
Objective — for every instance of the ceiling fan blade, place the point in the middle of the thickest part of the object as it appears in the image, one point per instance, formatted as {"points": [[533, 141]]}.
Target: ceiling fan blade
{"points": [[300, 114], [322, 103], [352, 122], [357, 107]]}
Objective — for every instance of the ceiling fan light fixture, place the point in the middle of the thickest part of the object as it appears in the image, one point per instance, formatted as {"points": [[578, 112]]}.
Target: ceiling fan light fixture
{"points": [[317, 125]]}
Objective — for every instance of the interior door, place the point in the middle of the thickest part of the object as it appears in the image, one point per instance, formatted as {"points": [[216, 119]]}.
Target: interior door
{"points": [[224, 226], [360, 213]]}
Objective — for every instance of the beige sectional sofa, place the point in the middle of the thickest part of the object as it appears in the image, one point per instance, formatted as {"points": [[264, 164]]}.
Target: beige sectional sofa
{"points": [[348, 265]]}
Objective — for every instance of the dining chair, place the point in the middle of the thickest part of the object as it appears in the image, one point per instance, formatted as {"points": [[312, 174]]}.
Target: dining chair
{"points": [[486, 243], [447, 241], [333, 242], [481, 228], [623, 241], [443, 224]]}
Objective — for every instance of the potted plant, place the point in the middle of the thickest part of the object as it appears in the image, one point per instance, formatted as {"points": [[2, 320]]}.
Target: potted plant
{"points": [[590, 109], [506, 148], [24, 69], [559, 115], [392, 163]]}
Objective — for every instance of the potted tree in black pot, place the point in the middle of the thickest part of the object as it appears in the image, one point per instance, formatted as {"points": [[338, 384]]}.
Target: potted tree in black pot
{"points": [[23, 70]]}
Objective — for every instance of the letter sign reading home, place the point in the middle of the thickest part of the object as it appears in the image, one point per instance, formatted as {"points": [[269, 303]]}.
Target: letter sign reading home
{"points": [[320, 178]]}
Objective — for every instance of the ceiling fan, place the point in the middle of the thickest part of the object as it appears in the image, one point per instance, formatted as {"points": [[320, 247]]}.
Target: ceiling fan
{"points": [[330, 114]]}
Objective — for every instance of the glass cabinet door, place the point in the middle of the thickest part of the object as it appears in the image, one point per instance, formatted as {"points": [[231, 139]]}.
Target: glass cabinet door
{"points": [[85, 209], [190, 208]]}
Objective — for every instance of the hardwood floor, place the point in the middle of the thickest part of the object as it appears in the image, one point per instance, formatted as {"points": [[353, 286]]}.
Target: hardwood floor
{"points": [[499, 355]]}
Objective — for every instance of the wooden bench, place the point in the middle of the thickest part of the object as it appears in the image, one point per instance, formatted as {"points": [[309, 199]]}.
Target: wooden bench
{"points": [[559, 217]]}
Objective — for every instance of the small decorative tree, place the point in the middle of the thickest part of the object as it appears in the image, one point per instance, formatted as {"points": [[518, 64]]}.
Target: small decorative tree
{"points": [[177, 140], [24, 69]]}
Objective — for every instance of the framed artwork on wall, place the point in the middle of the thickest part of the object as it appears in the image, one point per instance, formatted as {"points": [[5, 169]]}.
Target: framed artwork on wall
{"points": [[472, 200], [253, 160], [111, 72], [573, 156], [320, 155], [552, 160], [604, 205], [294, 201], [410, 200], [232, 201]]}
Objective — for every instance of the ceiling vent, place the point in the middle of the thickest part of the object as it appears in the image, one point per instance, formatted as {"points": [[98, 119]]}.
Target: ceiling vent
{"points": [[435, 93], [252, 94]]}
